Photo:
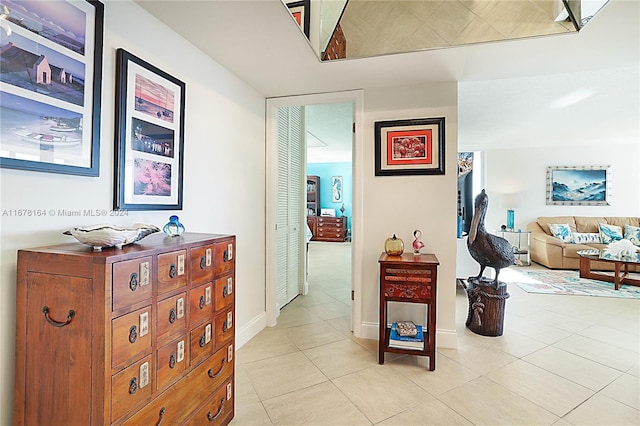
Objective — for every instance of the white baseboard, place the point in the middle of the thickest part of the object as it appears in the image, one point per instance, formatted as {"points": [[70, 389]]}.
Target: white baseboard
{"points": [[249, 331], [444, 338]]}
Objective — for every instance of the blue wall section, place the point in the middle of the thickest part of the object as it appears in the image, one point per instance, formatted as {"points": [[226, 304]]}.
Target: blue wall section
{"points": [[326, 171]]}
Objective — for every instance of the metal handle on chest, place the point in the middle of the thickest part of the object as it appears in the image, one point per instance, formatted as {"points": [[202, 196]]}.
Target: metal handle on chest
{"points": [[70, 315]]}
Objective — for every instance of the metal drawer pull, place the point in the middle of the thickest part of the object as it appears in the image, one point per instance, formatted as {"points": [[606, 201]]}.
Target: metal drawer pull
{"points": [[225, 256], [133, 281], [172, 361], [225, 291], [201, 305], [172, 316], [212, 418], [70, 315], [203, 262], [202, 341], [133, 334], [217, 373], [161, 416], [224, 327], [133, 386], [173, 271]]}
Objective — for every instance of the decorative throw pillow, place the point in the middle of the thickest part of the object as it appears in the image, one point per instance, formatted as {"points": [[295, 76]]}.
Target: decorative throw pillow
{"points": [[632, 233], [610, 233], [561, 231], [586, 237]]}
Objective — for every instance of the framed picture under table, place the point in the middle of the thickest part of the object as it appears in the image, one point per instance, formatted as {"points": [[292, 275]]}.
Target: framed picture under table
{"points": [[409, 147], [149, 136], [50, 86]]}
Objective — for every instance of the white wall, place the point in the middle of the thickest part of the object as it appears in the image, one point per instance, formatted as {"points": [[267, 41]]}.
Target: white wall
{"points": [[223, 172], [524, 125], [401, 204]]}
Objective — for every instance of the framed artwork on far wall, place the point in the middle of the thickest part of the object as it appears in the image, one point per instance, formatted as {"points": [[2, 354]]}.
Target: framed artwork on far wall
{"points": [[50, 86], [579, 185], [336, 189], [409, 147], [149, 151]]}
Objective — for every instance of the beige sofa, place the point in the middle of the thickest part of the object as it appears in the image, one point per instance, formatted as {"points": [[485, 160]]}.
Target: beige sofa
{"points": [[553, 253]]}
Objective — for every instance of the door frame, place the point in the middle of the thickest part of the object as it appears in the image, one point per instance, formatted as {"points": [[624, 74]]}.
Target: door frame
{"points": [[271, 167]]}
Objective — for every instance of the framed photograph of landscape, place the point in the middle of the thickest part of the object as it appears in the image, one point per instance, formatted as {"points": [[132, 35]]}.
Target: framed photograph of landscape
{"points": [[50, 84], [409, 147], [579, 185], [149, 151]]}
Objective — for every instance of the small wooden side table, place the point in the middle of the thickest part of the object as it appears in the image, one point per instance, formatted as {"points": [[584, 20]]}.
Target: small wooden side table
{"points": [[409, 278]]}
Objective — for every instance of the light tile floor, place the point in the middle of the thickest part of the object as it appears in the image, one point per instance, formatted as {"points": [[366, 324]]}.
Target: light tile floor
{"points": [[563, 360]]}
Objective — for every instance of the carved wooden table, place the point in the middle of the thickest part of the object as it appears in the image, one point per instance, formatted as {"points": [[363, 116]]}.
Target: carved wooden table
{"points": [[411, 279]]}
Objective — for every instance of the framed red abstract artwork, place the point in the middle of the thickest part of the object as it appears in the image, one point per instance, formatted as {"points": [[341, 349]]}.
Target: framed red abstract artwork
{"points": [[300, 12], [410, 147]]}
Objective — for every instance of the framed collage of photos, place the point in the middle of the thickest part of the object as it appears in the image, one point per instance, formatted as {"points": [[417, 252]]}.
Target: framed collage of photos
{"points": [[50, 81], [149, 136]]}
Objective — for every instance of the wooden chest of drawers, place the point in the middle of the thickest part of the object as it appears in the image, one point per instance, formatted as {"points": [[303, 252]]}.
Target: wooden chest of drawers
{"points": [[326, 228], [141, 335]]}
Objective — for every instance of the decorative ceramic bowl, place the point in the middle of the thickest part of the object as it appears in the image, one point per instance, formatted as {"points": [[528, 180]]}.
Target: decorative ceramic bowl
{"points": [[100, 236]]}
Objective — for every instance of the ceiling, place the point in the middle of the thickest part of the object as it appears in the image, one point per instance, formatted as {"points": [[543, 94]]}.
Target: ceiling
{"points": [[258, 41]]}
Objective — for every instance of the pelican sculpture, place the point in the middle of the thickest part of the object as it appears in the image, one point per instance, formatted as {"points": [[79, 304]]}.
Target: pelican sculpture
{"points": [[487, 249]]}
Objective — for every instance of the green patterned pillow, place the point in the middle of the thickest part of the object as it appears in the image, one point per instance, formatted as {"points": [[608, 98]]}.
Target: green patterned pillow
{"points": [[561, 231], [610, 233], [632, 233]]}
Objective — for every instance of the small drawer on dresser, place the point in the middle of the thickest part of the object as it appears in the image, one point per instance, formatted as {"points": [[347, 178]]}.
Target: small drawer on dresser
{"points": [[217, 408], [131, 337], [223, 292], [131, 387], [172, 270], [201, 342], [172, 362], [172, 317], [408, 291], [200, 303], [224, 327], [131, 282], [202, 265], [225, 257]]}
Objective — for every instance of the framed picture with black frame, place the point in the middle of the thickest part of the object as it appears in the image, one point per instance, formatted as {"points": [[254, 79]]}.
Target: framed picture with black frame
{"points": [[409, 147], [50, 91], [149, 148], [300, 10]]}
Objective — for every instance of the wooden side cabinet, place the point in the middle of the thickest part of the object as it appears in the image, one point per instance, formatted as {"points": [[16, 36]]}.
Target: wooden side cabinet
{"points": [[139, 335], [409, 278]]}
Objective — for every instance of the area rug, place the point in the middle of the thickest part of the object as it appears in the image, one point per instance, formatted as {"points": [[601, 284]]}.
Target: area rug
{"points": [[565, 282]]}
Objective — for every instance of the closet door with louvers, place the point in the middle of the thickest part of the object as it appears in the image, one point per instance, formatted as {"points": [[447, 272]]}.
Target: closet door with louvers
{"points": [[290, 196]]}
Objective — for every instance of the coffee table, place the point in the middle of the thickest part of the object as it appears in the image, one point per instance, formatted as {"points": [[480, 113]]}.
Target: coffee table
{"points": [[621, 268]]}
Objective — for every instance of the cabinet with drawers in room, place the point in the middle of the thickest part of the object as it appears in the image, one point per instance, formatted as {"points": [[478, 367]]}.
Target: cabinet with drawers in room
{"points": [[326, 228], [139, 335]]}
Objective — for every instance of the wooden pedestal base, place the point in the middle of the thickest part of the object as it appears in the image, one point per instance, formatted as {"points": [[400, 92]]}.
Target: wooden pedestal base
{"points": [[486, 306]]}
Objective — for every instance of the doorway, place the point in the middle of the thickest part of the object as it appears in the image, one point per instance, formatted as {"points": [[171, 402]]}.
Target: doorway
{"points": [[356, 98]]}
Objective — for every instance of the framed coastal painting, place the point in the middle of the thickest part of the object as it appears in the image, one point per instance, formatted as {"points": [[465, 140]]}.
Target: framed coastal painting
{"points": [[579, 185], [50, 80], [149, 149], [409, 147]]}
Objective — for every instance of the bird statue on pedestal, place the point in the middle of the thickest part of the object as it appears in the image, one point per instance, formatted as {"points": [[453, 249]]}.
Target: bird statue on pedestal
{"points": [[487, 249]]}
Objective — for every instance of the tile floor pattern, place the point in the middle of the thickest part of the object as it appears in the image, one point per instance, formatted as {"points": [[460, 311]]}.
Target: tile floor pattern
{"points": [[563, 360]]}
